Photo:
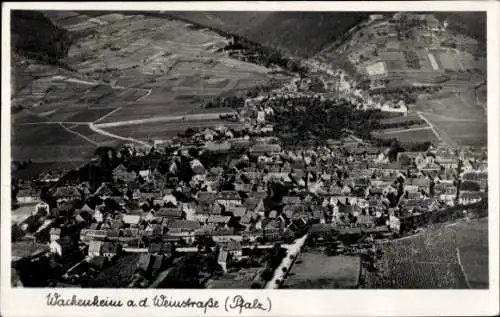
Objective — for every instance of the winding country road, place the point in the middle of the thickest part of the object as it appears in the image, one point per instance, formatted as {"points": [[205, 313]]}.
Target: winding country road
{"points": [[96, 129]]}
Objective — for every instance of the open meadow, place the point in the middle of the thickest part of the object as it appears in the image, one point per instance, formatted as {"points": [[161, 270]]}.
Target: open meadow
{"points": [[314, 270]]}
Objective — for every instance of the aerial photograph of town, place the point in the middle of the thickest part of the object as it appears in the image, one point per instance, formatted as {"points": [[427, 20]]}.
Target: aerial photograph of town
{"points": [[249, 150]]}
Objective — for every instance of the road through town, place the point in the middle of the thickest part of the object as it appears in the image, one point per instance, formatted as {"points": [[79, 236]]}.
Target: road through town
{"points": [[293, 251]]}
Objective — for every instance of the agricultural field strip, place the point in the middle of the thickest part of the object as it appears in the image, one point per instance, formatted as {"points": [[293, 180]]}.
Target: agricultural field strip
{"points": [[175, 126], [108, 114], [396, 130], [83, 82], [230, 67], [400, 119]]}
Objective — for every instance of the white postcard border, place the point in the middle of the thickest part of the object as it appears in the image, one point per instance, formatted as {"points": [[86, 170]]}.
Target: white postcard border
{"points": [[31, 302]]}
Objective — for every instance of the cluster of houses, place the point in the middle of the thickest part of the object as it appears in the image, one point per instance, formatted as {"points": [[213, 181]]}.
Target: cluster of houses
{"points": [[236, 189], [263, 196]]}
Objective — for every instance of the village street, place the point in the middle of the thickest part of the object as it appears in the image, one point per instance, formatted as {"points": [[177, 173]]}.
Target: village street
{"points": [[293, 251]]}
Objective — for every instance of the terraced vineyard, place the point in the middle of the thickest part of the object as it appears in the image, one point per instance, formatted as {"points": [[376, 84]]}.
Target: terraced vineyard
{"points": [[437, 259]]}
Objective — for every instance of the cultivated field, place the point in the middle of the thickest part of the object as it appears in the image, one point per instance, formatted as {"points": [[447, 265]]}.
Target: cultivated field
{"points": [[466, 133], [319, 271], [177, 66], [457, 116], [452, 257], [74, 154], [45, 143], [416, 57], [458, 105], [128, 67], [416, 133], [401, 120]]}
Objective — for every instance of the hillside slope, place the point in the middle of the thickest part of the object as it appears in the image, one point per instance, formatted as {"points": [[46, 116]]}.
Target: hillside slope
{"points": [[300, 34], [34, 35]]}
